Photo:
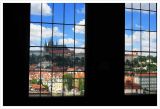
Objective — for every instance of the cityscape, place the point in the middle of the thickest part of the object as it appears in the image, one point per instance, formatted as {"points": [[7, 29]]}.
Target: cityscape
{"points": [[57, 50], [140, 48]]}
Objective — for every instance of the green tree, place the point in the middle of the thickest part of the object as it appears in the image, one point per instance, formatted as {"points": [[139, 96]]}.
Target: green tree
{"points": [[34, 81], [68, 81]]}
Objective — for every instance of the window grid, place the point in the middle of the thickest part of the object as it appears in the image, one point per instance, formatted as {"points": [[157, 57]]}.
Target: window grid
{"points": [[131, 74], [63, 71]]}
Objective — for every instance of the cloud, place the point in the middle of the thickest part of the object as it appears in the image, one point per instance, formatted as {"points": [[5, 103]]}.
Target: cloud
{"points": [[144, 6], [36, 9], [81, 11], [138, 26], [80, 29], [77, 50], [144, 40], [35, 32], [67, 41]]}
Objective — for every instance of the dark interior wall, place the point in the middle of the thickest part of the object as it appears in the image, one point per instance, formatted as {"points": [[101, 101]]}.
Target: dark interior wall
{"points": [[104, 59]]}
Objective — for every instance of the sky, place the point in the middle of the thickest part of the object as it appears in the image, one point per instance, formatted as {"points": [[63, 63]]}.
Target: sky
{"points": [[140, 39], [55, 12]]}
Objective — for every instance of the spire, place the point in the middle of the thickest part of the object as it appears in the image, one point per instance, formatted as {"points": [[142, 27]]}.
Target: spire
{"points": [[45, 44], [50, 43], [56, 43]]}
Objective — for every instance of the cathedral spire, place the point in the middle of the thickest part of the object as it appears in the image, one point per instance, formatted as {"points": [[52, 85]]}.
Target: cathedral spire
{"points": [[56, 43], [50, 43]]}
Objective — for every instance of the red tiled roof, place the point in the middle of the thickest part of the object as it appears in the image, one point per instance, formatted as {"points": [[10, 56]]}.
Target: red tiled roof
{"points": [[147, 74], [37, 86], [131, 85], [60, 51]]}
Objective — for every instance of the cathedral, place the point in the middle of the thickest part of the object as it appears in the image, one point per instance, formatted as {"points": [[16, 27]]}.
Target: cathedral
{"points": [[51, 48]]}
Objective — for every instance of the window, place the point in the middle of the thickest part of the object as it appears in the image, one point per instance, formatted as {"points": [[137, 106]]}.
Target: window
{"points": [[140, 48], [57, 49]]}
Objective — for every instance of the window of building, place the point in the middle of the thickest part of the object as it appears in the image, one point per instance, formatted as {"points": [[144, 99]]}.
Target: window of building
{"points": [[57, 49], [140, 48]]}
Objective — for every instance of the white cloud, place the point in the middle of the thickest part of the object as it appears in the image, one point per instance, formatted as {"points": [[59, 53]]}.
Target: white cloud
{"points": [[35, 32], [144, 6], [36, 9], [138, 26], [81, 11], [80, 29], [144, 40], [77, 50], [67, 41]]}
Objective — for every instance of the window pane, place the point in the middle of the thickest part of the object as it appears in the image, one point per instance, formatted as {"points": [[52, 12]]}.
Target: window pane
{"points": [[80, 14], [145, 41], [153, 6], [35, 34], [153, 24], [136, 20], [58, 12], [127, 5], [57, 84], [69, 13], [153, 41], [69, 36], [35, 12], [136, 41], [145, 6], [47, 12], [145, 20], [136, 5], [128, 17], [128, 40], [34, 83], [79, 60]]}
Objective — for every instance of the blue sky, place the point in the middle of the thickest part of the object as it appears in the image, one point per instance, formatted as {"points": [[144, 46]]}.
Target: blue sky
{"points": [[56, 11], [137, 25]]}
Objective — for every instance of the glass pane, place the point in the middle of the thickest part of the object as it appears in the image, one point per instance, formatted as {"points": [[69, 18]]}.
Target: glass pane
{"points": [[145, 6], [153, 6], [136, 41], [34, 83], [69, 36], [136, 5], [128, 40], [136, 20], [68, 59], [79, 59], [58, 12], [80, 14], [153, 41], [145, 41], [68, 85], [57, 84], [35, 12], [153, 20], [79, 87], [128, 17], [145, 20], [127, 5], [47, 12], [35, 34], [69, 13], [47, 35], [35, 58]]}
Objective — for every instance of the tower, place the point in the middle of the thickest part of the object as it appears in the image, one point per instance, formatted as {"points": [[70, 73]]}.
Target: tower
{"points": [[50, 43]]}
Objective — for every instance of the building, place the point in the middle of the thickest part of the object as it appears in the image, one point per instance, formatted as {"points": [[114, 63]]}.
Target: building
{"points": [[148, 82], [131, 56]]}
